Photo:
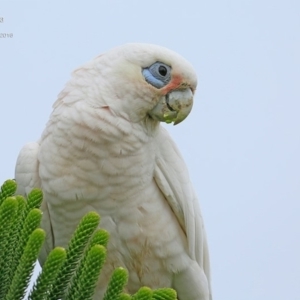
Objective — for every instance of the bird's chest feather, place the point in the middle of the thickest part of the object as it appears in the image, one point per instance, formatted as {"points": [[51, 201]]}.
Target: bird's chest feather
{"points": [[82, 172], [115, 180], [79, 162]]}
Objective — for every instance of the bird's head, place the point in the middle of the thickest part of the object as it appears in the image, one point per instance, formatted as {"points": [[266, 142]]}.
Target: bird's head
{"points": [[143, 81]]}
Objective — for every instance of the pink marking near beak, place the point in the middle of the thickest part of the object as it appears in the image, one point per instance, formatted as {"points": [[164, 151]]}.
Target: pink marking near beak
{"points": [[174, 84]]}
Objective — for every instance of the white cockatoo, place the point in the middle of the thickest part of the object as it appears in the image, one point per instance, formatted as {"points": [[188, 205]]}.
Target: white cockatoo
{"points": [[104, 150]]}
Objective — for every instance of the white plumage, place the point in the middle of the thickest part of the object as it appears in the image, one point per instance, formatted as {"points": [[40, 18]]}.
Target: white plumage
{"points": [[103, 149]]}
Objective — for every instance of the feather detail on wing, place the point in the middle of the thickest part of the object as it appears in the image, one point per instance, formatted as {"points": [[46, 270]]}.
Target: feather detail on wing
{"points": [[26, 172], [171, 176], [27, 178]]}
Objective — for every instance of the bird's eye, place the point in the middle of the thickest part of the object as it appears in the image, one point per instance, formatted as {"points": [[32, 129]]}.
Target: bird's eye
{"points": [[158, 74], [162, 70]]}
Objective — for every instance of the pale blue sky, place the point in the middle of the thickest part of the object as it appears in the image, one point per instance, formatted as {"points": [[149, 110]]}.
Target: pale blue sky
{"points": [[241, 142]]}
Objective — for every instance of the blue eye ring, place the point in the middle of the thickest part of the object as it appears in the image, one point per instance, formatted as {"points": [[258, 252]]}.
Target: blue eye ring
{"points": [[158, 74]]}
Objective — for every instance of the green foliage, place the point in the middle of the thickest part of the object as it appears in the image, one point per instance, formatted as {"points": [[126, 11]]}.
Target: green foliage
{"points": [[8, 188], [125, 296], [115, 287], [25, 267], [143, 293], [7, 212], [10, 263], [47, 278], [84, 284], [70, 274], [99, 238], [164, 294], [75, 250]]}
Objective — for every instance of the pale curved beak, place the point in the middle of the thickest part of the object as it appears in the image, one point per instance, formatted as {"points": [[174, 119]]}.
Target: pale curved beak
{"points": [[174, 107]]}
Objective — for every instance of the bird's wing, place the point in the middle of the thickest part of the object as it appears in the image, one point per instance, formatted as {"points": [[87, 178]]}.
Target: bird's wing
{"points": [[171, 176], [27, 178]]}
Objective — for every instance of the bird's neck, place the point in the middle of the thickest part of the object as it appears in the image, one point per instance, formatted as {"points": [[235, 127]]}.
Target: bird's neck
{"points": [[85, 127]]}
